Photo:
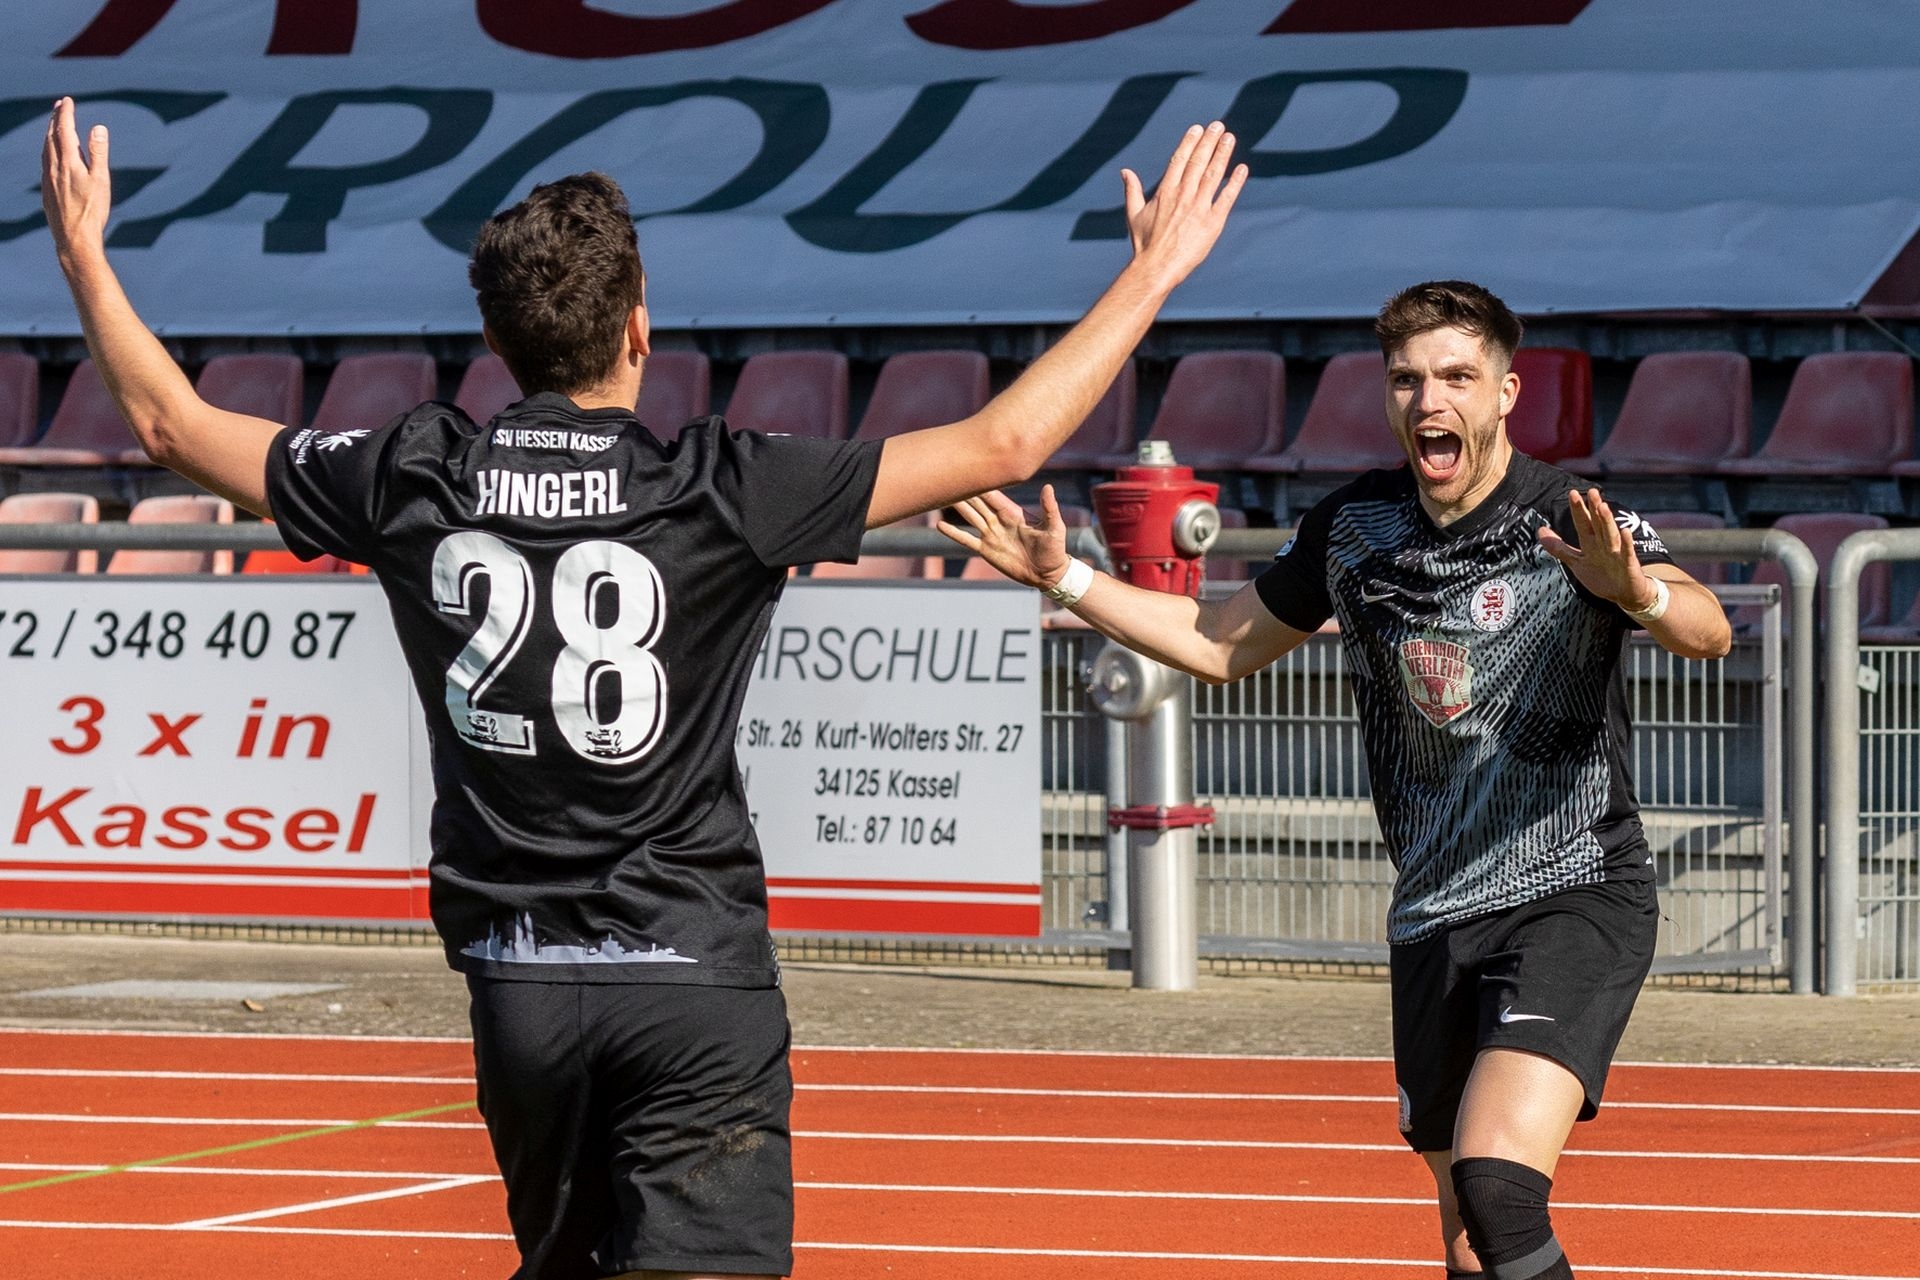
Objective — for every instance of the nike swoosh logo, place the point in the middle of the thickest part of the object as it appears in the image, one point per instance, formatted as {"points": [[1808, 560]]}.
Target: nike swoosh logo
{"points": [[1371, 598], [1508, 1015]]}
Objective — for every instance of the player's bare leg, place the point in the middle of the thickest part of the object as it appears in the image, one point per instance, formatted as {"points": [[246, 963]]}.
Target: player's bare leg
{"points": [[1517, 1110], [1453, 1232]]}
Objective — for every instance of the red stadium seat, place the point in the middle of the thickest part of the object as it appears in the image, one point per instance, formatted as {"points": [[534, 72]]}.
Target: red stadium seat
{"points": [[1905, 631], [1704, 571], [1686, 412], [368, 391], [1105, 439], [1848, 413], [889, 566], [262, 384], [87, 429], [274, 560], [1553, 418], [177, 509], [486, 388], [49, 508], [919, 389], [796, 393], [675, 388], [1225, 411], [1823, 532], [1346, 427], [19, 398]]}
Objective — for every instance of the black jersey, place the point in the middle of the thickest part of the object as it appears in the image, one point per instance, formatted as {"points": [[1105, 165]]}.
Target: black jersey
{"points": [[1490, 686], [580, 606]]}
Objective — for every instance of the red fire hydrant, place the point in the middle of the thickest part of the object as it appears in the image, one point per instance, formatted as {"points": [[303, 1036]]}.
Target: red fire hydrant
{"points": [[1158, 522]]}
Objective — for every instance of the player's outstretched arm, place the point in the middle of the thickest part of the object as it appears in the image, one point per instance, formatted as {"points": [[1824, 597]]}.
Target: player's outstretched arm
{"points": [[1019, 430], [222, 451], [1215, 640], [1688, 619]]}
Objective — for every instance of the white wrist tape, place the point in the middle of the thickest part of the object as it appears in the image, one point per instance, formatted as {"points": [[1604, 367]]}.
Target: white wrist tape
{"points": [[1073, 583], [1655, 611]]}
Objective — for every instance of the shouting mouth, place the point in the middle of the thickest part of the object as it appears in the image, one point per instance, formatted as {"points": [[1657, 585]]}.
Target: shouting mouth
{"points": [[1438, 453]]}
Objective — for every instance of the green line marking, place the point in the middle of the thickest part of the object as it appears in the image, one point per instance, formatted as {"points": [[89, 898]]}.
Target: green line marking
{"points": [[254, 1145]]}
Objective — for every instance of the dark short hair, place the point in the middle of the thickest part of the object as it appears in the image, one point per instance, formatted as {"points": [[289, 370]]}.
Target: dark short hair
{"points": [[1448, 304], [556, 276]]}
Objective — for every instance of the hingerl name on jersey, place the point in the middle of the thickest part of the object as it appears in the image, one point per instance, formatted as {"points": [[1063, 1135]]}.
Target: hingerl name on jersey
{"points": [[548, 495]]}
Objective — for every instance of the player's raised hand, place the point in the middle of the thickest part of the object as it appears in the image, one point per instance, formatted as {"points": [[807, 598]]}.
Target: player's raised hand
{"points": [[1174, 231], [76, 190], [1605, 561], [1035, 555]]}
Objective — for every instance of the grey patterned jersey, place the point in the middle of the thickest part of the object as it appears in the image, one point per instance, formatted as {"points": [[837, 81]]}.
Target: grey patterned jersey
{"points": [[1492, 699]]}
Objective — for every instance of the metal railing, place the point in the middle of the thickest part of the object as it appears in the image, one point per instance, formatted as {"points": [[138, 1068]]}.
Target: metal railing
{"points": [[1873, 783]]}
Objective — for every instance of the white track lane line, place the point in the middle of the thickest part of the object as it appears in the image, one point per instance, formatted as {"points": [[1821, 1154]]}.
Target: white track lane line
{"points": [[288, 1077], [1152, 1256], [312, 1206], [237, 1123], [369, 1233], [1249, 1144], [1256, 1197], [369, 1175], [1382, 1100], [960, 1250], [1169, 1095]]}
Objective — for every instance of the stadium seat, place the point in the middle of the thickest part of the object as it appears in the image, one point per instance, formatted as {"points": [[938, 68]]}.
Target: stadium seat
{"points": [[87, 429], [1225, 411], [1823, 532], [889, 566], [1685, 413], [1105, 440], [1702, 571], [263, 384], [19, 398], [1346, 429], [486, 388], [275, 560], [919, 389], [1905, 631], [797, 393], [675, 388], [368, 391], [1553, 418], [1848, 413], [176, 509], [49, 508]]}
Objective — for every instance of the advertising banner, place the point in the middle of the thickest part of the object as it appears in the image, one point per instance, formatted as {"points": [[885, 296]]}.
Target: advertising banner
{"points": [[251, 748], [319, 166]]}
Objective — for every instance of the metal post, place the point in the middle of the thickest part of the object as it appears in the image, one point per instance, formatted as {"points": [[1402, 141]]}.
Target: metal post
{"points": [[1843, 744], [1803, 825], [1159, 816]]}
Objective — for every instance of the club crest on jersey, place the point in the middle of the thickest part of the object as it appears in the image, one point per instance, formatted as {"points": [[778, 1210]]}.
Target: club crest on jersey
{"points": [[1492, 608], [1437, 676]]}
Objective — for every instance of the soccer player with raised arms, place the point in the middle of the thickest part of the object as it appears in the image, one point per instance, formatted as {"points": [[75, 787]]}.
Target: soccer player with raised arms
{"points": [[1484, 603], [579, 605]]}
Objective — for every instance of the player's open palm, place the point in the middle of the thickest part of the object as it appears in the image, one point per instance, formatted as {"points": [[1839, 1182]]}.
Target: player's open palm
{"points": [[75, 190], [1035, 555], [1605, 562], [1175, 230]]}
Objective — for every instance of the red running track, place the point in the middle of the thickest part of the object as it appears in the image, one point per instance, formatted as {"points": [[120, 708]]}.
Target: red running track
{"points": [[216, 1158]]}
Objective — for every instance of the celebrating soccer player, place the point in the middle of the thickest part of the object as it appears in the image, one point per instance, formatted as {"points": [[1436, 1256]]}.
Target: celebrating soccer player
{"points": [[1484, 603], [579, 605]]}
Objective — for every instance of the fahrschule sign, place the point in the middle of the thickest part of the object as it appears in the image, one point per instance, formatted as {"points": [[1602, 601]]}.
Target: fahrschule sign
{"points": [[320, 165]]}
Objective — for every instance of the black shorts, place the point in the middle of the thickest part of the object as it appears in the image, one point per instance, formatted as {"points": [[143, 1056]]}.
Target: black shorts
{"points": [[1557, 977], [638, 1126]]}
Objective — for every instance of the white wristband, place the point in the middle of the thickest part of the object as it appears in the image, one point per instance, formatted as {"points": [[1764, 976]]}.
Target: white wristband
{"points": [[1073, 583], [1655, 611]]}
